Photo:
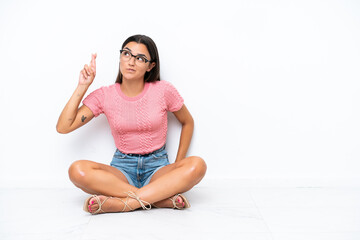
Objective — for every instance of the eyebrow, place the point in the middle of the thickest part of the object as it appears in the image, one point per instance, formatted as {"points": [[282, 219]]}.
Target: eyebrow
{"points": [[140, 55]]}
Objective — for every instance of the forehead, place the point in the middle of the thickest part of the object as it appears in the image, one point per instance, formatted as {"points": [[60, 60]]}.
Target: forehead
{"points": [[137, 48]]}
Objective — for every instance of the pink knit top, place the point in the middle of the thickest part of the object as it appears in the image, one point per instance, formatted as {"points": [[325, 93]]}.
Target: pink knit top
{"points": [[138, 124]]}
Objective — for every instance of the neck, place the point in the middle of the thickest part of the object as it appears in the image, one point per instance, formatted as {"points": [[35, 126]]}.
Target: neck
{"points": [[132, 88]]}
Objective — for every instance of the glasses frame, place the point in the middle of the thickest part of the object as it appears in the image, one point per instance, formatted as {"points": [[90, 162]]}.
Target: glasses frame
{"points": [[132, 55]]}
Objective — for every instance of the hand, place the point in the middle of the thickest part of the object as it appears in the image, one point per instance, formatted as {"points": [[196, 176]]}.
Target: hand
{"points": [[87, 74]]}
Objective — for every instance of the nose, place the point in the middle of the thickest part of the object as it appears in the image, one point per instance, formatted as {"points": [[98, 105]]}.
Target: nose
{"points": [[132, 61]]}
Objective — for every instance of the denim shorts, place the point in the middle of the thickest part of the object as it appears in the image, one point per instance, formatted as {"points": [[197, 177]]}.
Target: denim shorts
{"points": [[138, 169]]}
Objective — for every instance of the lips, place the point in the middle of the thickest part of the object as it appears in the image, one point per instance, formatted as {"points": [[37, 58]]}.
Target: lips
{"points": [[130, 70]]}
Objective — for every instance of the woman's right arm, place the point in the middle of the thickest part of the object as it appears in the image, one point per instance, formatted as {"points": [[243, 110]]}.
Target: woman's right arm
{"points": [[73, 117]]}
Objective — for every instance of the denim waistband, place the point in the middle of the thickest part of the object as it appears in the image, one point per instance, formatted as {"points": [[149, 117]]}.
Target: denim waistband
{"points": [[145, 155]]}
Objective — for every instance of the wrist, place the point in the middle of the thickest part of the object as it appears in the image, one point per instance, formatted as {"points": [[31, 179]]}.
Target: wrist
{"points": [[82, 87], [80, 91]]}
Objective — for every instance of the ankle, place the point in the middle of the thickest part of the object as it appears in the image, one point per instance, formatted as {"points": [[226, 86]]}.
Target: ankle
{"points": [[137, 202]]}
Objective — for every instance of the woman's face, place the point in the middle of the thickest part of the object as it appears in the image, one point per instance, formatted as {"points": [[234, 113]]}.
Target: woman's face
{"points": [[134, 68]]}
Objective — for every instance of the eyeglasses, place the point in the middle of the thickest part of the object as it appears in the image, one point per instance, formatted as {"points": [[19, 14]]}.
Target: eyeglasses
{"points": [[126, 56]]}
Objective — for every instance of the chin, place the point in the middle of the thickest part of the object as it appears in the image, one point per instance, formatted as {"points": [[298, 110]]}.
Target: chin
{"points": [[131, 77]]}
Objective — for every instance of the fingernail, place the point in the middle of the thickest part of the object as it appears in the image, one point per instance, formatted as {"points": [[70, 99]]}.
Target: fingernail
{"points": [[183, 204], [92, 202], [89, 209]]}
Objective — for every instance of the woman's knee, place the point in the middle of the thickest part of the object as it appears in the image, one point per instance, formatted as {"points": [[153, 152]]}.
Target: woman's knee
{"points": [[77, 171], [197, 166]]}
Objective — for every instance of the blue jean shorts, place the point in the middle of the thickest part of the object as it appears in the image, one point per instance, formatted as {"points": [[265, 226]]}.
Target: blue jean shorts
{"points": [[138, 169]]}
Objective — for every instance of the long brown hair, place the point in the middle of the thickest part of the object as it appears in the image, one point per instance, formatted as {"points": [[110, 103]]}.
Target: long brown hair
{"points": [[154, 74]]}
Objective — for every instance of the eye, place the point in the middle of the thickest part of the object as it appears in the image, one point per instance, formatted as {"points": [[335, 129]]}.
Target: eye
{"points": [[125, 53], [140, 58]]}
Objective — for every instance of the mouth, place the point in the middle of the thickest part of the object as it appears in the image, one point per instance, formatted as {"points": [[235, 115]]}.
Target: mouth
{"points": [[130, 70]]}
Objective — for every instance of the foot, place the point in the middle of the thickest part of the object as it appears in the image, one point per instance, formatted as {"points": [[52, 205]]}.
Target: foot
{"points": [[167, 203], [109, 204]]}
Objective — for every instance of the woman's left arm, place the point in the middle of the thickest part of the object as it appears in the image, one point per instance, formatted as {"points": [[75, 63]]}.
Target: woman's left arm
{"points": [[187, 122]]}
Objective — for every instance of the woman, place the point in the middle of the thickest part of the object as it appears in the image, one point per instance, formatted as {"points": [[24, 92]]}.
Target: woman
{"points": [[136, 107]]}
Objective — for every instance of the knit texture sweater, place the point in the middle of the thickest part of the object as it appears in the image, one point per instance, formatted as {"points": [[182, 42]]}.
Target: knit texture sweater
{"points": [[138, 124]]}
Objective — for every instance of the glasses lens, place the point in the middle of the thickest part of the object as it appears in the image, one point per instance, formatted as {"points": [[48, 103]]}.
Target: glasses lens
{"points": [[125, 54], [140, 59]]}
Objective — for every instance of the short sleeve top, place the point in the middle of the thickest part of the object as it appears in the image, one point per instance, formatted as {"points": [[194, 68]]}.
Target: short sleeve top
{"points": [[138, 124]]}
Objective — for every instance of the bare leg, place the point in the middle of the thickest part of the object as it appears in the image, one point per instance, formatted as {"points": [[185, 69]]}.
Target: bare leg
{"points": [[172, 179], [100, 179], [167, 203]]}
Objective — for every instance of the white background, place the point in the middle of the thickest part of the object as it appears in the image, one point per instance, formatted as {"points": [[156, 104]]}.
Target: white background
{"points": [[273, 86]]}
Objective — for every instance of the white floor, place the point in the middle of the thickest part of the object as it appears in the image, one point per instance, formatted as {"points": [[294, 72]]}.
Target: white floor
{"points": [[232, 212]]}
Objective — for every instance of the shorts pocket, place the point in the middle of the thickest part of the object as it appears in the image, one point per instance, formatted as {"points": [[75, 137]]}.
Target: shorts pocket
{"points": [[119, 155], [159, 155]]}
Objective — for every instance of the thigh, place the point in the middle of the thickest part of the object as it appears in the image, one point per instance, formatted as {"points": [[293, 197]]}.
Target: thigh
{"points": [[113, 170], [193, 165], [166, 169], [82, 167]]}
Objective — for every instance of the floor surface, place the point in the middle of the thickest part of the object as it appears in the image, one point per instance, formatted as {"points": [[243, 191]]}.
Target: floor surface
{"points": [[217, 212]]}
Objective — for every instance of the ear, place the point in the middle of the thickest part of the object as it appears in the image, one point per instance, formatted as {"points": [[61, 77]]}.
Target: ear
{"points": [[151, 66]]}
